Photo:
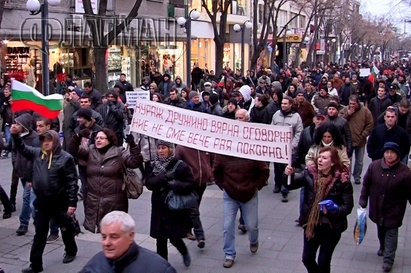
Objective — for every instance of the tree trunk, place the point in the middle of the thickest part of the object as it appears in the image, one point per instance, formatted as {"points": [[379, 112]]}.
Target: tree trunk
{"points": [[219, 56], [101, 69], [255, 56]]}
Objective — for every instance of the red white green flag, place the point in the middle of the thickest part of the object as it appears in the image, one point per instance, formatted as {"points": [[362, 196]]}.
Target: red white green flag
{"points": [[374, 73], [27, 98], [221, 83]]}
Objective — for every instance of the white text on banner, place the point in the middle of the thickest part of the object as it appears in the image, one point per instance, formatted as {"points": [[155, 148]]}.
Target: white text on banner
{"points": [[212, 133]]}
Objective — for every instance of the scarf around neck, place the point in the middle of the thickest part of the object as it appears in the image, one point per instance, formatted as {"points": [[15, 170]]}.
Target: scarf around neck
{"points": [[161, 163]]}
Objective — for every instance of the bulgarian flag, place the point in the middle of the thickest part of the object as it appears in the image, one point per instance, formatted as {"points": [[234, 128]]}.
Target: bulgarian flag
{"points": [[374, 73], [28, 98], [221, 83]]}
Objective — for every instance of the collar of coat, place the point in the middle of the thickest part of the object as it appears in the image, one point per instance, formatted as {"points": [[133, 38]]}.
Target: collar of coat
{"points": [[128, 257], [312, 169], [386, 167]]}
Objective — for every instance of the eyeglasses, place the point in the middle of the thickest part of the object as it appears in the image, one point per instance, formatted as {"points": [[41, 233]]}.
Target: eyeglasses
{"points": [[100, 137]]}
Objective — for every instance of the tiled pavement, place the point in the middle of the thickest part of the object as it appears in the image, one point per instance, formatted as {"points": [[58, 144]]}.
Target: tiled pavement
{"points": [[280, 240]]}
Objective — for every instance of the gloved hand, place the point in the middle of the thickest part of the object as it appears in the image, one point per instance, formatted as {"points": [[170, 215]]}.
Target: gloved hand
{"points": [[130, 140], [169, 176], [84, 133]]}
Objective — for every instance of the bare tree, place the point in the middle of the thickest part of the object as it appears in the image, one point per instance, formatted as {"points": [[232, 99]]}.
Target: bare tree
{"points": [[100, 41], [218, 16]]}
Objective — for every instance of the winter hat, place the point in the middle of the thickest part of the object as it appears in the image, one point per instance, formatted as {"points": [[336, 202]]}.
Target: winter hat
{"points": [[192, 94], [213, 98], [245, 90], [85, 113], [391, 146], [78, 91], [207, 84], [333, 104], [276, 85], [165, 143], [233, 101], [298, 92]]}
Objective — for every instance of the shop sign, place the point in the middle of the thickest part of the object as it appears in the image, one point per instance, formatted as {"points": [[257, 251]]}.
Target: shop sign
{"points": [[293, 38], [211, 133], [136, 95], [79, 8]]}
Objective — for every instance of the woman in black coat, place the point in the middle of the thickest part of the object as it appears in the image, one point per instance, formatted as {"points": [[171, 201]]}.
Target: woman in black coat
{"points": [[323, 227], [167, 224]]}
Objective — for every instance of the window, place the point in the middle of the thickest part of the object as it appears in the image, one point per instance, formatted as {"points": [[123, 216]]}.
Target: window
{"points": [[282, 18], [302, 21], [294, 21]]}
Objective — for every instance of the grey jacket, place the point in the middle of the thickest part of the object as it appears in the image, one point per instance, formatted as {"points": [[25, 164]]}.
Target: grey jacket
{"points": [[292, 119]]}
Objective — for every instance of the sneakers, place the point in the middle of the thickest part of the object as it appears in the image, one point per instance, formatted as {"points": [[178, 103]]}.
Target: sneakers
{"points": [[386, 267], [284, 198], [242, 228], [228, 263], [68, 258], [190, 236], [186, 259], [21, 231], [254, 247], [52, 238], [31, 270], [201, 244], [276, 189]]}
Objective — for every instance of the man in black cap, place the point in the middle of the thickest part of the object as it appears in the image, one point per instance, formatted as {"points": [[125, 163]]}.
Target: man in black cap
{"points": [[387, 185], [194, 102], [392, 94]]}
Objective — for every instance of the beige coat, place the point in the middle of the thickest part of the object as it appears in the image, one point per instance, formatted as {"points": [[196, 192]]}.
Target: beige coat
{"points": [[315, 150]]}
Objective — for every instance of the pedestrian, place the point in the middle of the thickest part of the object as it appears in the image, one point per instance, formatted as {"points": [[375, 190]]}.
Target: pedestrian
{"points": [[240, 179], [166, 224], [387, 186], [120, 252], [55, 185], [322, 227]]}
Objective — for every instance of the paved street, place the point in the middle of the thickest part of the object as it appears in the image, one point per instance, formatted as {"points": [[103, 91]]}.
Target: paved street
{"points": [[280, 239]]}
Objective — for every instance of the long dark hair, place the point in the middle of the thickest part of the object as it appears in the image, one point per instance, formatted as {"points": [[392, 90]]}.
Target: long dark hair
{"points": [[335, 159], [333, 130]]}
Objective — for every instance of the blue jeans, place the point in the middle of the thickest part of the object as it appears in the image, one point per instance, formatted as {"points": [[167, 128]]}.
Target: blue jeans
{"points": [[25, 210], [250, 215], [54, 227], [359, 158], [7, 136]]}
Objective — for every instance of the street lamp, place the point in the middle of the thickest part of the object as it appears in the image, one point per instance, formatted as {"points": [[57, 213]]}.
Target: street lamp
{"points": [[288, 32], [186, 22], [237, 28], [35, 8]]}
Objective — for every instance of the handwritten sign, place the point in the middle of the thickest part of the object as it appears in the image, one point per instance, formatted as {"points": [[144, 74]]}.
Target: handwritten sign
{"points": [[212, 133], [138, 94], [364, 72]]}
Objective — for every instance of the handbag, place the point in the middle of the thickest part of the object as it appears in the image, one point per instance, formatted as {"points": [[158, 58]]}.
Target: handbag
{"points": [[132, 183], [177, 202]]}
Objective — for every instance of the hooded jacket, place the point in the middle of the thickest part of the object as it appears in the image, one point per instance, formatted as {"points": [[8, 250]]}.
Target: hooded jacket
{"points": [[248, 104], [54, 176], [180, 86], [21, 164]]}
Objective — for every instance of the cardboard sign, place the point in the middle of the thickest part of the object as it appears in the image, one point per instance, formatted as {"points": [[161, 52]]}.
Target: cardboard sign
{"points": [[138, 94], [212, 133]]}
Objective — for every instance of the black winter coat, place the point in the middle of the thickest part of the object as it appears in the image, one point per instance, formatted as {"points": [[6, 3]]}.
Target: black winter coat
{"points": [[260, 115], [164, 222], [304, 144], [341, 193], [136, 259], [113, 117], [377, 107], [381, 134], [388, 189], [54, 178]]}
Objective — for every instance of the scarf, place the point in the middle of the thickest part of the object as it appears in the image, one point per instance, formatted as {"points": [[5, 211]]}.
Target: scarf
{"points": [[321, 184], [161, 163], [327, 145]]}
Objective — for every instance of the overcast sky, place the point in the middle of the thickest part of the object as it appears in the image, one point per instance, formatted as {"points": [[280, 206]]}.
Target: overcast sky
{"points": [[389, 8]]}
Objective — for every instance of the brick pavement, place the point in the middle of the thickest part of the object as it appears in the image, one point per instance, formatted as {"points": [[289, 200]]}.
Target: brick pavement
{"points": [[280, 240]]}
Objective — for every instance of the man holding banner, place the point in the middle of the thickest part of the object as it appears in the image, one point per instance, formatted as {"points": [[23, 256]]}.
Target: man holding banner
{"points": [[240, 179]]}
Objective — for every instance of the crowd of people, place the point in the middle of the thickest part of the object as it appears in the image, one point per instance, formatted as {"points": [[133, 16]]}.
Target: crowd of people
{"points": [[336, 116]]}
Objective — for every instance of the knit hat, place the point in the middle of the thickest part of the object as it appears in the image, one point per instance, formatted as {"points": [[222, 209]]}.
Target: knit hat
{"points": [[298, 92], [233, 101], [333, 104], [391, 146], [213, 98], [207, 84], [78, 91], [165, 143], [85, 113], [192, 94]]}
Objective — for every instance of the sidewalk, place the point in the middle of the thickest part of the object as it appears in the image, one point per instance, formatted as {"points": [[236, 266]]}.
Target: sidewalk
{"points": [[280, 239]]}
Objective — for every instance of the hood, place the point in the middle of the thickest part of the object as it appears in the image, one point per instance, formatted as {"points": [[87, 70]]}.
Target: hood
{"points": [[178, 77], [56, 145], [147, 78], [245, 90], [167, 75], [25, 121]]}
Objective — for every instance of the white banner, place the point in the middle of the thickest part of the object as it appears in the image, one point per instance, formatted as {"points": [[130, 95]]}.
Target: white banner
{"points": [[138, 94], [212, 133]]}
